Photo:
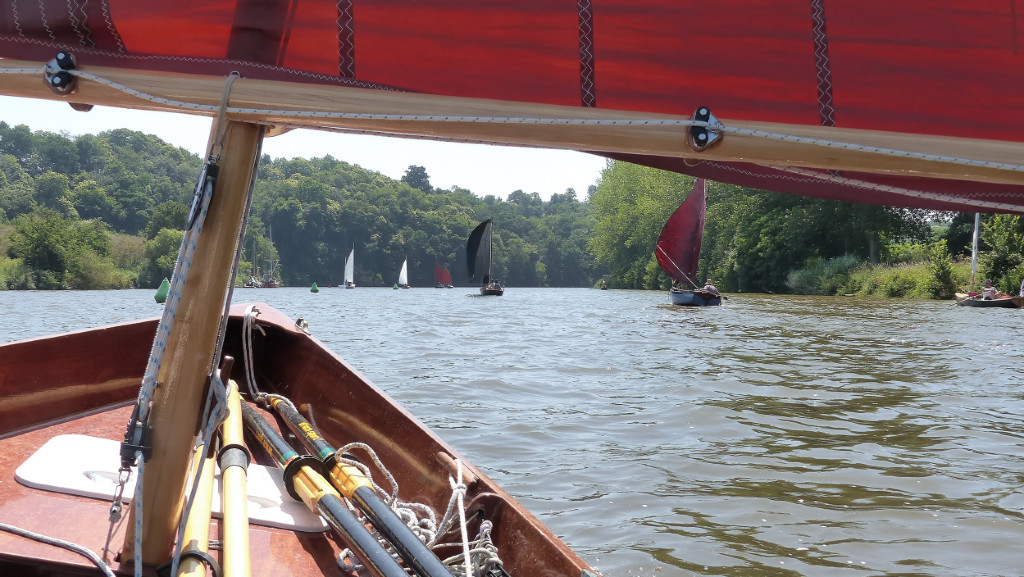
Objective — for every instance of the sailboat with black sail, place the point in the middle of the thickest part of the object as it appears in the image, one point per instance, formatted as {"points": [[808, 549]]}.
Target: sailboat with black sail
{"points": [[883, 125], [478, 259], [678, 250]]}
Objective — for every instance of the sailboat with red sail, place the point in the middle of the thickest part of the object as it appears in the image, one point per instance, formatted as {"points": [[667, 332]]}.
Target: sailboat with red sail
{"points": [[442, 278], [678, 250]]}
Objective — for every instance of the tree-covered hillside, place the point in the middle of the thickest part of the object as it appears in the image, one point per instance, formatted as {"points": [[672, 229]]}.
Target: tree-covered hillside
{"points": [[108, 211]]}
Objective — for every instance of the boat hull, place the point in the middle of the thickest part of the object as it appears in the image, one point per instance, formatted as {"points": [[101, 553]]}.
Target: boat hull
{"points": [[493, 292], [965, 300], [696, 298], [94, 375]]}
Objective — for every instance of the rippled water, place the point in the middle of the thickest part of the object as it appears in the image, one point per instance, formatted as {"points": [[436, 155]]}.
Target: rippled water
{"points": [[776, 436]]}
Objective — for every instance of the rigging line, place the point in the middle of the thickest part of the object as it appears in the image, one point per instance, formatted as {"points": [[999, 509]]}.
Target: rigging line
{"points": [[685, 276], [221, 126], [178, 278], [83, 551], [974, 202]]}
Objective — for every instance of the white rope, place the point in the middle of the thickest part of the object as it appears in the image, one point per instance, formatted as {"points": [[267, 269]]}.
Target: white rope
{"points": [[714, 126], [827, 176], [138, 514], [178, 278], [457, 484], [248, 322], [88, 554]]}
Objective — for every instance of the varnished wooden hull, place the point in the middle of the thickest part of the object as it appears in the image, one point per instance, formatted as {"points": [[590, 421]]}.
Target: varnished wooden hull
{"points": [[84, 382], [697, 298], [1005, 302]]}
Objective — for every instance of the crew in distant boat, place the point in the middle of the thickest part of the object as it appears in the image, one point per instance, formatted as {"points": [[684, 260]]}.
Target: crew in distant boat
{"points": [[989, 292], [1021, 288], [709, 286]]}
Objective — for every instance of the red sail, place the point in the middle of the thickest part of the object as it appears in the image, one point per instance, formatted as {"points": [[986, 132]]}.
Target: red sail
{"points": [[446, 277], [870, 78], [438, 273], [678, 248]]}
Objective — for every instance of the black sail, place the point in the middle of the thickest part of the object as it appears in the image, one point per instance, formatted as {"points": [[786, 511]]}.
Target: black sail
{"points": [[478, 258]]}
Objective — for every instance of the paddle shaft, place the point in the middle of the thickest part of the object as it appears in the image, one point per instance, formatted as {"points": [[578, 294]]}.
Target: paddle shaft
{"points": [[351, 483], [309, 486], [234, 462]]}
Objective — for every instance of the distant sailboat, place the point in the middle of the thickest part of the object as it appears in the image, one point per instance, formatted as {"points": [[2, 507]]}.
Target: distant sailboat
{"points": [[403, 276], [442, 278], [350, 268], [478, 259], [678, 250]]}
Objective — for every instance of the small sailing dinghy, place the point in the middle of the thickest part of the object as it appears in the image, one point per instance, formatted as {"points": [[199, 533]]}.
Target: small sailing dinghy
{"points": [[478, 259], [678, 250], [403, 275], [350, 269], [442, 278]]}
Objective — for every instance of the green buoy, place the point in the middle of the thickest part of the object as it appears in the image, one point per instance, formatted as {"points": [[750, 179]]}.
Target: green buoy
{"points": [[314, 288], [161, 293], [395, 287]]}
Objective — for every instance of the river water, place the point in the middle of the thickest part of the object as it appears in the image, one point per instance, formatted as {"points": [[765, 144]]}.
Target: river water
{"points": [[772, 436]]}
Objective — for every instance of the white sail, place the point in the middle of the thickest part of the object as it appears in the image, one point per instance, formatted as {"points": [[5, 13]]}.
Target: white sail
{"points": [[403, 277], [350, 269]]}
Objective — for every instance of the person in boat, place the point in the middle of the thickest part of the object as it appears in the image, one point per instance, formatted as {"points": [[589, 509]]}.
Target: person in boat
{"points": [[1021, 293], [990, 292], [709, 286]]}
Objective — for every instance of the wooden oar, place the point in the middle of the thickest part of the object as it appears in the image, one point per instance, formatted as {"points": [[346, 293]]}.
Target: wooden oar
{"points": [[196, 539], [234, 462], [305, 483], [351, 483]]}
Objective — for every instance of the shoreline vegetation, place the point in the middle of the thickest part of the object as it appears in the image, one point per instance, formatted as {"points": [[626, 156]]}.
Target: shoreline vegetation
{"points": [[107, 211]]}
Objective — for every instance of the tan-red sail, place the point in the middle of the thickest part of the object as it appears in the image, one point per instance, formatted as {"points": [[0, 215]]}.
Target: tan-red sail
{"points": [[678, 248]]}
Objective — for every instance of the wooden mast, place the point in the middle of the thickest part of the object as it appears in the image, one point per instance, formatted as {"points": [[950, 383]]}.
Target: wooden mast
{"points": [[178, 399]]}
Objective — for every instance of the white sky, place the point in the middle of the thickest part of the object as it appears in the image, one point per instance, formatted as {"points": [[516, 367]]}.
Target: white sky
{"points": [[482, 169]]}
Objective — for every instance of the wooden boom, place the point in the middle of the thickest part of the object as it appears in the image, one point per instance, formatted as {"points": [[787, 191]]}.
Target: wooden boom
{"points": [[560, 127]]}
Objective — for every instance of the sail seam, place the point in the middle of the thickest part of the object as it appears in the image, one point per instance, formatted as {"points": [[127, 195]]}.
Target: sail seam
{"points": [[823, 65], [346, 40], [588, 96]]}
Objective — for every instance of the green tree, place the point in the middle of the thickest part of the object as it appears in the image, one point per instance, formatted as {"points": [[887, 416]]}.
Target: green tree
{"points": [[53, 190], [941, 284], [416, 177], [161, 256], [1003, 234]]}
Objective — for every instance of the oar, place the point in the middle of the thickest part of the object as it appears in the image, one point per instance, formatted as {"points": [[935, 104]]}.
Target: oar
{"points": [[234, 463], [306, 484], [351, 483]]}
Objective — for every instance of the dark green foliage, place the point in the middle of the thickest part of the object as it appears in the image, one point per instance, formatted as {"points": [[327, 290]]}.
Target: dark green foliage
{"points": [[941, 285], [64, 252], [307, 214], [1003, 234]]}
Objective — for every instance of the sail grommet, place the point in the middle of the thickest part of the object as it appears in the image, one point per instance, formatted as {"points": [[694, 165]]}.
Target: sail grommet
{"points": [[708, 133], [57, 76]]}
